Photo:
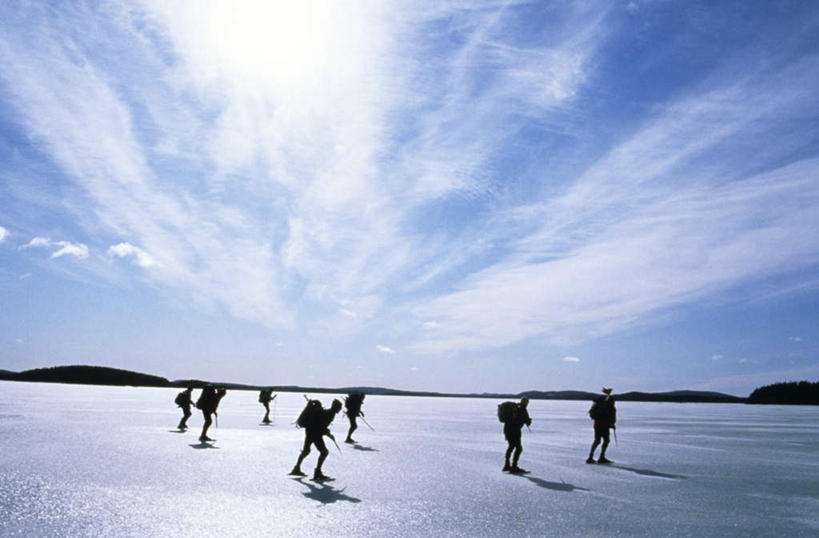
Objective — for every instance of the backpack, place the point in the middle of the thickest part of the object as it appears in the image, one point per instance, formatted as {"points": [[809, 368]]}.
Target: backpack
{"points": [[596, 411], [310, 415], [180, 399], [600, 409], [353, 402], [507, 411], [264, 396]]}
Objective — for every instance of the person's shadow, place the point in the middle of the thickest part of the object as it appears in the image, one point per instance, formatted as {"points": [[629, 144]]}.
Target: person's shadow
{"points": [[202, 444], [325, 493], [649, 472], [554, 486], [364, 448]]}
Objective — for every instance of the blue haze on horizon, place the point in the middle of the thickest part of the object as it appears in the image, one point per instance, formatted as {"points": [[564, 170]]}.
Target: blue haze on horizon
{"points": [[487, 196]]}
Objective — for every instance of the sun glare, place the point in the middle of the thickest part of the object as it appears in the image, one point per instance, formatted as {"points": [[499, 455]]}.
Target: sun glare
{"points": [[283, 41]]}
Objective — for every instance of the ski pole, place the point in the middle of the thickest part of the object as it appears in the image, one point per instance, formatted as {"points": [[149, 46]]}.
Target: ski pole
{"points": [[367, 423], [615, 437], [333, 439]]}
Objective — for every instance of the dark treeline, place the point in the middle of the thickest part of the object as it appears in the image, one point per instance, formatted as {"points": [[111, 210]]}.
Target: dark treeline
{"points": [[793, 393], [802, 392], [87, 375]]}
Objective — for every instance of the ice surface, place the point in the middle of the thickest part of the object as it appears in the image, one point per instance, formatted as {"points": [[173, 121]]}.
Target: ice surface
{"points": [[105, 461]]}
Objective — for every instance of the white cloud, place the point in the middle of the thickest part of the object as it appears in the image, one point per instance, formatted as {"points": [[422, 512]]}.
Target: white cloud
{"points": [[4, 233], [37, 242], [795, 338], [651, 217], [127, 250], [59, 248], [570, 359], [385, 349], [716, 357], [313, 144], [67, 248]]}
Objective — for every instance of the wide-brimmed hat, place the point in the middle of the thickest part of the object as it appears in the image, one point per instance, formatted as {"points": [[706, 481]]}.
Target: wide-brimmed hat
{"points": [[607, 390]]}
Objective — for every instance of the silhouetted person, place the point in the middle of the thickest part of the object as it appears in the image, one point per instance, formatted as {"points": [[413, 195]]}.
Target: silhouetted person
{"points": [[183, 400], [514, 417], [604, 415], [265, 398], [352, 404], [208, 402], [316, 421]]}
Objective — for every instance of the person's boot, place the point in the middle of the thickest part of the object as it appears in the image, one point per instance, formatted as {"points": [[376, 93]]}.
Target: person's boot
{"points": [[590, 460], [297, 472], [517, 470], [506, 467], [318, 476], [349, 441], [603, 459]]}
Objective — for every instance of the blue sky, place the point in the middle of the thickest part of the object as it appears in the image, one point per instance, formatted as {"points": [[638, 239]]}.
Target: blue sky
{"points": [[486, 196]]}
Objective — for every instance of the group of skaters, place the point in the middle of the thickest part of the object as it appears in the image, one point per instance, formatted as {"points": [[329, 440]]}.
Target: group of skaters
{"points": [[316, 420], [514, 416]]}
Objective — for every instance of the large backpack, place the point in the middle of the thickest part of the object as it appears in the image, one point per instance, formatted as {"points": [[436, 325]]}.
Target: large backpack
{"points": [[352, 403], [507, 412], [600, 409], [180, 399], [310, 415], [264, 396]]}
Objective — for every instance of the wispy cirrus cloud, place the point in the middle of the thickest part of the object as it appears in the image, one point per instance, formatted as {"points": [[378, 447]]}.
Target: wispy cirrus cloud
{"points": [[4, 233], [385, 349], [350, 170]]}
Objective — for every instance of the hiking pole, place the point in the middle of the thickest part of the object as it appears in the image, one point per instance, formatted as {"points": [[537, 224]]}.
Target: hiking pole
{"points": [[367, 423], [215, 419], [615, 437], [333, 439]]}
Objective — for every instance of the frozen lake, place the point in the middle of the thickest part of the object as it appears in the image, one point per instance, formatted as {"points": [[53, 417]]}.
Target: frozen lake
{"points": [[82, 461]]}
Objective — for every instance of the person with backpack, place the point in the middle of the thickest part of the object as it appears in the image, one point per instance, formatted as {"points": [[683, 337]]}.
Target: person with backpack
{"points": [[265, 398], [352, 405], [208, 402], [183, 400], [514, 416], [604, 415], [316, 423]]}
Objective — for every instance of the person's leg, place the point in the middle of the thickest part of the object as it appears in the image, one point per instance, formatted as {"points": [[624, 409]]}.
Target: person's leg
{"points": [[595, 444], [518, 452], [323, 452], [510, 446], [183, 422], [266, 418], [353, 427], [605, 436], [205, 426], [305, 451]]}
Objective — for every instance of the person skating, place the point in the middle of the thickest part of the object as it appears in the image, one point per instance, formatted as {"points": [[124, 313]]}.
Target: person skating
{"points": [[316, 421], [514, 416], [183, 400], [208, 402], [604, 415], [265, 398], [352, 404]]}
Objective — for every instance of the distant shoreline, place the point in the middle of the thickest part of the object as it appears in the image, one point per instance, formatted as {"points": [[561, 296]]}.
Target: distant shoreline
{"points": [[105, 376]]}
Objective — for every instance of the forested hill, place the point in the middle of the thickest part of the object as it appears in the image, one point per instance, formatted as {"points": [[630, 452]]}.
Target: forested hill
{"points": [[794, 393], [89, 375]]}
